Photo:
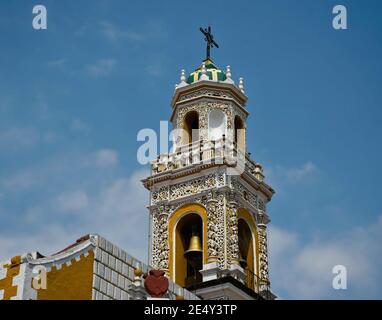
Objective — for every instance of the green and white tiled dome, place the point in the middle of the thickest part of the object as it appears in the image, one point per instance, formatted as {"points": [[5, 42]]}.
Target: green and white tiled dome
{"points": [[212, 71]]}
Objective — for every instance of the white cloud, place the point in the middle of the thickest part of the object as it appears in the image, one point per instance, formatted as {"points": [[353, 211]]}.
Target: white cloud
{"points": [[114, 34], [281, 176], [22, 180], [115, 210], [101, 68], [73, 201], [49, 239], [79, 125], [297, 174], [57, 63], [304, 270], [106, 158], [16, 138]]}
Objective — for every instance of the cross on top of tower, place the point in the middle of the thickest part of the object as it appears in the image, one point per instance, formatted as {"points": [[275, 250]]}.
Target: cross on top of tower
{"points": [[209, 38]]}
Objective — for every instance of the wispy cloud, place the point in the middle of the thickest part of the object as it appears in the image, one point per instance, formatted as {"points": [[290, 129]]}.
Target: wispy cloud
{"points": [[17, 182], [79, 125], [309, 272], [56, 63], [101, 68], [300, 173], [280, 176], [115, 210], [114, 34], [73, 201], [15, 138], [106, 158]]}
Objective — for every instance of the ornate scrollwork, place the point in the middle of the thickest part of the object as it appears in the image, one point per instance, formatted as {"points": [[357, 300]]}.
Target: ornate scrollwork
{"points": [[192, 187], [206, 93], [232, 232], [246, 194], [263, 254], [160, 248]]}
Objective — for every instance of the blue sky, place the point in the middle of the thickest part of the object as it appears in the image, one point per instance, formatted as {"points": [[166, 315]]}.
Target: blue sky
{"points": [[73, 97]]}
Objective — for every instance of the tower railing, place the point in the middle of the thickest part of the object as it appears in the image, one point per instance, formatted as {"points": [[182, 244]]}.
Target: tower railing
{"points": [[206, 152], [257, 284]]}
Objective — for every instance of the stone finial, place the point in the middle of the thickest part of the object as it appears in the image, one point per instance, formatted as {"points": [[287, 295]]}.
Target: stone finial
{"points": [[204, 72], [241, 84], [183, 76], [182, 80], [137, 276], [229, 75], [136, 290]]}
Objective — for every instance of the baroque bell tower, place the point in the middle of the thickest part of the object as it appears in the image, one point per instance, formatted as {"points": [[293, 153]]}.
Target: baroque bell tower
{"points": [[208, 198]]}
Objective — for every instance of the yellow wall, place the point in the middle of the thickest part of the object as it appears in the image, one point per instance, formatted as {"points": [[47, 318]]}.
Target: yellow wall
{"points": [[72, 282], [6, 284], [179, 246], [246, 216]]}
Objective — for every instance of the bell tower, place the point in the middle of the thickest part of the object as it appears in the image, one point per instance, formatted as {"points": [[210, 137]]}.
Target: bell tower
{"points": [[208, 198]]}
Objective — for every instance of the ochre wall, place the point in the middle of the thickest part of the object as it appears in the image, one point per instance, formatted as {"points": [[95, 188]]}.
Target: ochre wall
{"points": [[72, 282], [176, 216], [246, 216], [6, 284]]}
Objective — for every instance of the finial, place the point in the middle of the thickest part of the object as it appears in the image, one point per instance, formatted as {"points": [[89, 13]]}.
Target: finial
{"points": [[138, 272], [182, 79], [229, 75], [183, 76], [204, 72], [241, 84], [137, 276]]}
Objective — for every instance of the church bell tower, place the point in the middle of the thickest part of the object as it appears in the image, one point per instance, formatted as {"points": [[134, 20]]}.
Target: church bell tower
{"points": [[208, 198]]}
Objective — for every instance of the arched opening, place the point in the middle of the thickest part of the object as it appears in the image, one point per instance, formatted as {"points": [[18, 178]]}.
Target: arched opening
{"points": [[217, 123], [189, 250], [191, 127], [246, 251], [239, 133]]}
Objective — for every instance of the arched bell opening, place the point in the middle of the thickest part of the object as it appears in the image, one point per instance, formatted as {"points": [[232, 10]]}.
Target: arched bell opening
{"points": [[239, 133], [246, 251], [191, 127], [217, 124], [189, 250]]}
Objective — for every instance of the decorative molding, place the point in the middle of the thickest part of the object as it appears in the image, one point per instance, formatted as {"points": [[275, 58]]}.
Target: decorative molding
{"points": [[232, 231], [263, 254]]}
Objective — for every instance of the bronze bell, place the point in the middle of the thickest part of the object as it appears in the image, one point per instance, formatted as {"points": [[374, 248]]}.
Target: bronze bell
{"points": [[194, 250]]}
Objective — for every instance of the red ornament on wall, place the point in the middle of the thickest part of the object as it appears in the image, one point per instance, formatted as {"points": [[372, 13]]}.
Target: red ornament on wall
{"points": [[156, 283]]}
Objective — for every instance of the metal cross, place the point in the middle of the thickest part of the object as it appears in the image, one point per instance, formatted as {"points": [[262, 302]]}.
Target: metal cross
{"points": [[209, 38]]}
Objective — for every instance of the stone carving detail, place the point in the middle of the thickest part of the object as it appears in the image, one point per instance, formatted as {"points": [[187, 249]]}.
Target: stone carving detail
{"points": [[232, 232], [245, 193], [192, 187], [263, 253], [208, 93], [215, 236], [203, 108], [219, 229], [160, 249], [212, 231], [160, 195], [261, 205]]}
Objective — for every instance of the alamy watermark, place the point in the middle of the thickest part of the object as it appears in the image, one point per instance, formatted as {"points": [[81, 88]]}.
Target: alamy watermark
{"points": [[40, 20], [187, 148], [39, 278], [340, 279], [340, 20]]}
